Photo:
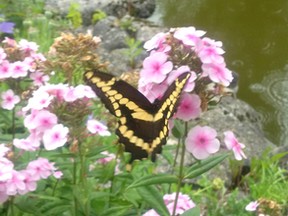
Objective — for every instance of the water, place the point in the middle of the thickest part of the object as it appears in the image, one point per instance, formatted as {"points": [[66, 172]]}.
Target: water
{"points": [[255, 38]]}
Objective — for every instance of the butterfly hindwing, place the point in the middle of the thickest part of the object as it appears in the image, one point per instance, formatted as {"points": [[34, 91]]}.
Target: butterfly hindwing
{"points": [[142, 125]]}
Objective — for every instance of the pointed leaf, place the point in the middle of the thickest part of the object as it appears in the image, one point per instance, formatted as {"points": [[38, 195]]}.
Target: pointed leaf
{"points": [[192, 212], [116, 211], [154, 179], [153, 197], [203, 166]]}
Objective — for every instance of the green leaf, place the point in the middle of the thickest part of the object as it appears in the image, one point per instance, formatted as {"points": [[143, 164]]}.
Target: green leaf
{"points": [[277, 157], [154, 179], [153, 197], [116, 211], [203, 166], [28, 205], [178, 129], [192, 212]]}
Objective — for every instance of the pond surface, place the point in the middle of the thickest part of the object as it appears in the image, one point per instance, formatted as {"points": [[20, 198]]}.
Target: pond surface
{"points": [[255, 38]]}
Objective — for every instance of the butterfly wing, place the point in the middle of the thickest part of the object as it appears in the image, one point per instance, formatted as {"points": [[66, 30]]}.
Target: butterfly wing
{"points": [[143, 126]]}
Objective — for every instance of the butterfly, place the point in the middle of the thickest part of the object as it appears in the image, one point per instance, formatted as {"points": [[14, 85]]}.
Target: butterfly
{"points": [[142, 125]]}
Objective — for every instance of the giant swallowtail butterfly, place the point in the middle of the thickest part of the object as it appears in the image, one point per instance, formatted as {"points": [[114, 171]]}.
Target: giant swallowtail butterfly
{"points": [[142, 125]]}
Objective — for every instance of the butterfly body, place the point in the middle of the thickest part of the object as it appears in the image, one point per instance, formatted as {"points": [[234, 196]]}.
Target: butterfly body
{"points": [[142, 125]]}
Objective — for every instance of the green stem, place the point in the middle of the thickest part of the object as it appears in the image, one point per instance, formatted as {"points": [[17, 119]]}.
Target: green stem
{"points": [[180, 169], [83, 181], [10, 207], [74, 183], [175, 161], [13, 127]]}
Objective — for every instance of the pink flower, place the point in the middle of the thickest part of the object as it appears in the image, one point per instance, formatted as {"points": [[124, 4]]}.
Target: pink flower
{"points": [[40, 100], [95, 126], [176, 73], [70, 95], [155, 68], [233, 144], [252, 206], [189, 107], [202, 141], [10, 42], [29, 181], [157, 42], [6, 168], [109, 157], [58, 174], [26, 144], [39, 78], [9, 100], [57, 90], [16, 183], [78, 92], [82, 91], [19, 69], [40, 168], [55, 137], [5, 70], [3, 55], [189, 35], [40, 120], [153, 91], [218, 73], [28, 47], [184, 203], [211, 54]]}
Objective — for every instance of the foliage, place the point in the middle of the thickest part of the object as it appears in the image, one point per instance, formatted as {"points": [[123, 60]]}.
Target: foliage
{"points": [[127, 24], [133, 50], [98, 15], [267, 181], [74, 15], [17, 11]]}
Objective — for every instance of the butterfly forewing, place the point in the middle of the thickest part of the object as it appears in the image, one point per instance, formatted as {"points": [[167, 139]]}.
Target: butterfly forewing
{"points": [[143, 126]]}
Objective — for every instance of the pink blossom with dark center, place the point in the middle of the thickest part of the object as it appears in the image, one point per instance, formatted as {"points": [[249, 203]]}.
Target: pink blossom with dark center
{"points": [[189, 107], [218, 73], [19, 69], [40, 168], [55, 137], [39, 78], [9, 100], [5, 70], [202, 141], [155, 68], [16, 183]]}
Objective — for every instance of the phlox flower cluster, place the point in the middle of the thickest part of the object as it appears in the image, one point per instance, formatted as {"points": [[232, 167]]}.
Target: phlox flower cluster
{"points": [[178, 51], [42, 123], [18, 182], [18, 62], [184, 203], [188, 50]]}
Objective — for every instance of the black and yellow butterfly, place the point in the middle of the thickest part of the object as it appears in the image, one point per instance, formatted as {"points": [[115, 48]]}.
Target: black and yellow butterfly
{"points": [[142, 125]]}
